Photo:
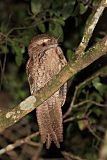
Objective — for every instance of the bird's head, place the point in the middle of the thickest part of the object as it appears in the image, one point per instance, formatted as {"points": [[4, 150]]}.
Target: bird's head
{"points": [[41, 43]]}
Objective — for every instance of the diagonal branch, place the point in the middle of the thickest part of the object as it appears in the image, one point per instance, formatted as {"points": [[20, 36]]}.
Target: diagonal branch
{"points": [[89, 28], [10, 116], [20, 142]]}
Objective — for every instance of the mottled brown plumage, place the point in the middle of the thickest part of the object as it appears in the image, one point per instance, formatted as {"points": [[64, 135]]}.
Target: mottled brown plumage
{"points": [[46, 59]]}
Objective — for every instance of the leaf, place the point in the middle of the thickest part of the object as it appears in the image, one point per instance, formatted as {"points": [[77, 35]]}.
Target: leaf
{"points": [[4, 49], [18, 52], [36, 6], [26, 37], [91, 156], [96, 97], [68, 8], [92, 120], [83, 8], [22, 94], [102, 33], [70, 54], [41, 27], [98, 111], [18, 59], [59, 20], [100, 87], [26, 40], [83, 124], [95, 2], [56, 30], [56, 4]]}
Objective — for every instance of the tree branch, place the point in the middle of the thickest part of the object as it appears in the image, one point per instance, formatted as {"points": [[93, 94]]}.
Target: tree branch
{"points": [[89, 28], [103, 151], [12, 115], [71, 156], [20, 142]]}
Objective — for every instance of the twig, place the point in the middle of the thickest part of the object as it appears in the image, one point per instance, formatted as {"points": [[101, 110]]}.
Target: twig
{"points": [[89, 101], [94, 134], [37, 154], [28, 27], [20, 28], [73, 105], [70, 156], [20, 142], [70, 119], [89, 127], [89, 28]]}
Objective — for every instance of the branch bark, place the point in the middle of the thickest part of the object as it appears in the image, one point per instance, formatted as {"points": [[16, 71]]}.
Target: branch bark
{"points": [[20, 142], [103, 151], [12, 115], [89, 28]]}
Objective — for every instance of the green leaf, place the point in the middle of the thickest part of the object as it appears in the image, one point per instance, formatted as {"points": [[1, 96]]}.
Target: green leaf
{"points": [[56, 30], [70, 54], [98, 111], [26, 36], [21, 93], [81, 125], [4, 49], [95, 2], [26, 40], [91, 156], [56, 4], [100, 87], [102, 33], [18, 51], [36, 6], [41, 27], [18, 59], [83, 8], [59, 20], [92, 120], [68, 8], [96, 97]]}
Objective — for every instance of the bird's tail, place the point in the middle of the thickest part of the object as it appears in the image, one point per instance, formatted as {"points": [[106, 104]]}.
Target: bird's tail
{"points": [[49, 117]]}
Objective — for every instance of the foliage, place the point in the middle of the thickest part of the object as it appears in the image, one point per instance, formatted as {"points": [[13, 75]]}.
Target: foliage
{"points": [[65, 19]]}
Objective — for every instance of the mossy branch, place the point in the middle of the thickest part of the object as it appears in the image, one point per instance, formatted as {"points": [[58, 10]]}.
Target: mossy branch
{"points": [[10, 116], [89, 27]]}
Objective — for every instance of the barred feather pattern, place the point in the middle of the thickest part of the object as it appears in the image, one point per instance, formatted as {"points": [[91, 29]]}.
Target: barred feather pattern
{"points": [[46, 59]]}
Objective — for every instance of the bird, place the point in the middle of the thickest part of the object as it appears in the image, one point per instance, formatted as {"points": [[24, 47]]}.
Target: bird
{"points": [[46, 59]]}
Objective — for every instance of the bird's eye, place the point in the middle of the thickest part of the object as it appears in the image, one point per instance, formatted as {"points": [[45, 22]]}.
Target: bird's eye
{"points": [[43, 44]]}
